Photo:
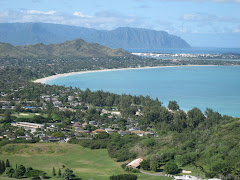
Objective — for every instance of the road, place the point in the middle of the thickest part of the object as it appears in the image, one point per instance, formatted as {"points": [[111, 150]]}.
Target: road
{"points": [[152, 174]]}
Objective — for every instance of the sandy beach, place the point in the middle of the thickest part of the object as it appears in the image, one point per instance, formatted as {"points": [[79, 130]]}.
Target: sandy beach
{"points": [[46, 79]]}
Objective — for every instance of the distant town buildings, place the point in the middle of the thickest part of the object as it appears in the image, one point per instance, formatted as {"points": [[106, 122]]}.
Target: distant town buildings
{"points": [[190, 177], [28, 126]]}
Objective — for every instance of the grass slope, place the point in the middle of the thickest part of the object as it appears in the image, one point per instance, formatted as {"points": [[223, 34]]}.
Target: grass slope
{"points": [[86, 163]]}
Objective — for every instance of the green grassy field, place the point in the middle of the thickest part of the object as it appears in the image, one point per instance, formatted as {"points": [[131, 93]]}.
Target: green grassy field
{"points": [[27, 115], [86, 163]]}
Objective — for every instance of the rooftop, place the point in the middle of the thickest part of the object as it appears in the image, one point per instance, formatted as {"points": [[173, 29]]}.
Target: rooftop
{"points": [[135, 163]]}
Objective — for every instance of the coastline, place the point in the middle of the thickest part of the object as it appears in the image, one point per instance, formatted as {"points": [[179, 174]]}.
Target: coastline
{"points": [[46, 79]]}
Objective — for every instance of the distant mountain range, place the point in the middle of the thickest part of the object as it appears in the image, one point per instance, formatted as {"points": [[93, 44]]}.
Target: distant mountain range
{"points": [[124, 37], [69, 49]]}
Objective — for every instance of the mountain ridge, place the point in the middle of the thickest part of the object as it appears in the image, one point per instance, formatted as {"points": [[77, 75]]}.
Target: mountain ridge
{"points": [[69, 49], [122, 37]]}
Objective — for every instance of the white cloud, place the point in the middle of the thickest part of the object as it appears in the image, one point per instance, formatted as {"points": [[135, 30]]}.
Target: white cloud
{"points": [[106, 20], [195, 31], [208, 23], [80, 14], [209, 18], [237, 30], [41, 12]]}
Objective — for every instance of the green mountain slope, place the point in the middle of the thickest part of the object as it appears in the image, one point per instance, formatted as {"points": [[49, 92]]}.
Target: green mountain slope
{"points": [[76, 48]]}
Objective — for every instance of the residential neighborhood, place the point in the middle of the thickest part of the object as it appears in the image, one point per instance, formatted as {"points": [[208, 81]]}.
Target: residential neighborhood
{"points": [[106, 120], [76, 129]]}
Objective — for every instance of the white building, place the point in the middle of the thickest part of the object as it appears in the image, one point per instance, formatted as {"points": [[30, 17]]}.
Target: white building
{"points": [[135, 163]]}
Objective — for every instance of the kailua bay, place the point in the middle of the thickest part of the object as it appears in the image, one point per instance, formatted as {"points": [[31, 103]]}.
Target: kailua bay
{"points": [[216, 87]]}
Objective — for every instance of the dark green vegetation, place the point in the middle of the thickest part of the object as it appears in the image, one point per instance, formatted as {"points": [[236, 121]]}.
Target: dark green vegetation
{"points": [[173, 105], [124, 177], [118, 146], [208, 142], [69, 49], [171, 168], [67, 174], [127, 38], [19, 171]]}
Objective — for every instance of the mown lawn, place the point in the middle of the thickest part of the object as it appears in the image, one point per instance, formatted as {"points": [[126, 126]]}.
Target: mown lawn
{"points": [[28, 115], [86, 163]]}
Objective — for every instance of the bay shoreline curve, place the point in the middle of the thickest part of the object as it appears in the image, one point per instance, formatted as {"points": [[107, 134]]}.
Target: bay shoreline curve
{"points": [[49, 78]]}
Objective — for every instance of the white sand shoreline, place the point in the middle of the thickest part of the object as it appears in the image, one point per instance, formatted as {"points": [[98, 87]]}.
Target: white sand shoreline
{"points": [[46, 79]]}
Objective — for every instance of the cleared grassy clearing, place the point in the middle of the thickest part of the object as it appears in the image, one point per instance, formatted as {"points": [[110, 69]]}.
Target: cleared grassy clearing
{"points": [[28, 115], [86, 163]]}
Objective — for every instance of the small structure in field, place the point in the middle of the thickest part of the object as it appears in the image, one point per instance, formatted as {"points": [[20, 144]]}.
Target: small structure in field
{"points": [[135, 163], [98, 131], [139, 133], [109, 130], [123, 133], [186, 172], [186, 177], [77, 124]]}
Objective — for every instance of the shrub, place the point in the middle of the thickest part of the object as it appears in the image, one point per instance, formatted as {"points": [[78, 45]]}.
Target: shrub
{"points": [[124, 165], [20, 171], [10, 171], [211, 174], [123, 157], [155, 162], [34, 173], [103, 135], [68, 174], [124, 177], [171, 168], [95, 144], [186, 159], [173, 105], [148, 142], [145, 165], [132, 170], [165, 157]]}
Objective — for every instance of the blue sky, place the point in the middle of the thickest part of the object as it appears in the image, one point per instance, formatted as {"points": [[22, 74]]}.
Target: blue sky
{"points": [[202, 23]]}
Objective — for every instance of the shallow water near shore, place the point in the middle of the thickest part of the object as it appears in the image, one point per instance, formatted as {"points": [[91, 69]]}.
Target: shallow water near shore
{"points": [[216, 87]]}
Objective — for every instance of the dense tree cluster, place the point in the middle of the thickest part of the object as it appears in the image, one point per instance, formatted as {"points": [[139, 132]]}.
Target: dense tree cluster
{"points": [[66, 175], [171, 168], [19, 171], [118, 146], [124, 177]]}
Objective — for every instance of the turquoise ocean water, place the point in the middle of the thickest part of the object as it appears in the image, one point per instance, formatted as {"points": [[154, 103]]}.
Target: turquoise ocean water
{"points": [[216, 87]]}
